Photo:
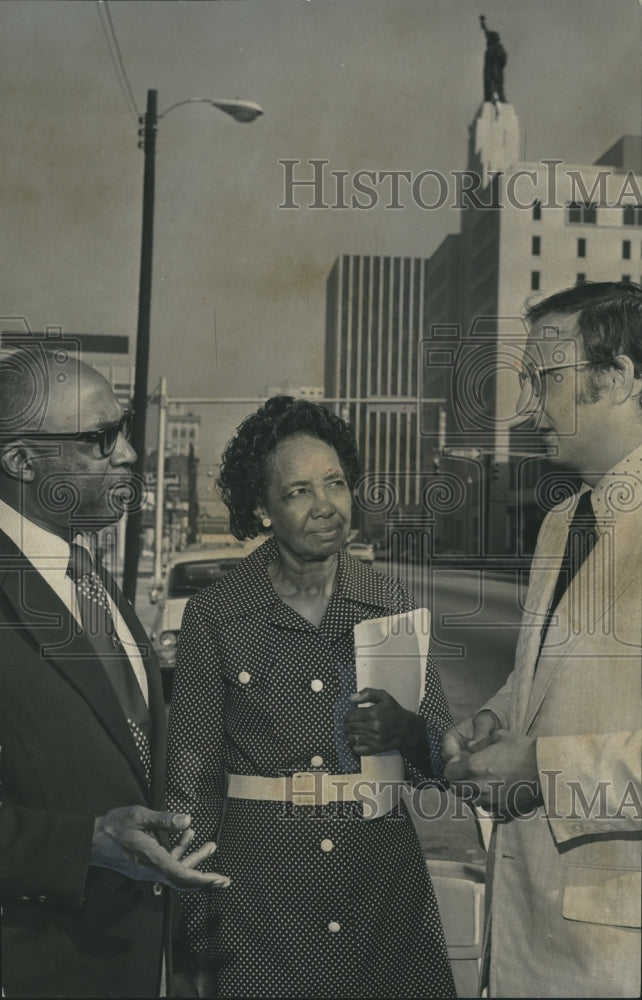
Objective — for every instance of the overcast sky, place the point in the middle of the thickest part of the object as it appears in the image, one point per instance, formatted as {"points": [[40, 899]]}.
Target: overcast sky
{"points": [[239, 284]]}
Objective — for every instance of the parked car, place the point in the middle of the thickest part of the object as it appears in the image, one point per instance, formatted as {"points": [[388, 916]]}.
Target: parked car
{"points": [[187, 573], [361, 550]]}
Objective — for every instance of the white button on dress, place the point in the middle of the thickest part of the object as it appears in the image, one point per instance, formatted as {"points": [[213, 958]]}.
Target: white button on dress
{"points": [[316, 761], [316, 685], [244, 677], [326, 845], [334, 927]]}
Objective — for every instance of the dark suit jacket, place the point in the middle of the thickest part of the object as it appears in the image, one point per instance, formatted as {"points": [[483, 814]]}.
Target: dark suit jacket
{"points": [[68, 756]]}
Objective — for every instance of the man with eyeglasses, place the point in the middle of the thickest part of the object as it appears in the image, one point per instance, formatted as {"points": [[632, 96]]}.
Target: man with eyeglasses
{"points": [[86, 865], [556, 754]]}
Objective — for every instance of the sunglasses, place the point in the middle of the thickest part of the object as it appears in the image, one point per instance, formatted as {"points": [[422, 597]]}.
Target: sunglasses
{"points": [[105, 438], [534, 376]]}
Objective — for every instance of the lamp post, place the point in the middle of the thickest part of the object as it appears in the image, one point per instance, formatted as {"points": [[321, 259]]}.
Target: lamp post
{"points": [[241, 111]]}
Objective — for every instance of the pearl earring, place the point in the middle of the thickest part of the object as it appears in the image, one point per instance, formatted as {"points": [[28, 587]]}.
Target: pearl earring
{"points": [[266, 522]]}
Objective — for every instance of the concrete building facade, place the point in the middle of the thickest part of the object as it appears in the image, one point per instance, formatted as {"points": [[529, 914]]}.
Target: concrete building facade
{"points": [[424, 353], [531, 229], [183, 430], [374, 324]]}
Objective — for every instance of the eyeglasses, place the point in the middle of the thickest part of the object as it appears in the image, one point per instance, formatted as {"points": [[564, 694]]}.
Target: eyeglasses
{"points": [[105, 437], [534, 375]]}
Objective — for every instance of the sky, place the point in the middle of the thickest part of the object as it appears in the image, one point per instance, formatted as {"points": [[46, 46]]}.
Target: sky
{"points": [[239, 283]]}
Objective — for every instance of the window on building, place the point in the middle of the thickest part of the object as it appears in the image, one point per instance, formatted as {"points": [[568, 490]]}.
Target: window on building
{"points": [[632, 215], [581, 277], [534, 281], [581, 212], [183, 433], [537, 210], [536, 245], [174, 432], [581, 247], [626, 249], [191, 434], [626, 277]]}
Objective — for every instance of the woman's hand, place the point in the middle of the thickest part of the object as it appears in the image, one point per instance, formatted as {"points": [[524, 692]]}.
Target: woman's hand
{"points": [[382, 724]]}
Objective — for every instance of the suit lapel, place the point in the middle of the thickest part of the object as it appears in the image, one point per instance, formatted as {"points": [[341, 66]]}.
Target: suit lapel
{"points": [[587, 608], [35, 609], [543, 576]]}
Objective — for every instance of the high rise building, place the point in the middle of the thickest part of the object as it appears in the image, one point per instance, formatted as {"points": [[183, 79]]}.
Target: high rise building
{"points": [[374, 323], [423, 353], [532, 229]]}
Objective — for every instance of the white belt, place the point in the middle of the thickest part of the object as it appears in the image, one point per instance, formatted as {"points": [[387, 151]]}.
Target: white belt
{"points": [[303, 788]]}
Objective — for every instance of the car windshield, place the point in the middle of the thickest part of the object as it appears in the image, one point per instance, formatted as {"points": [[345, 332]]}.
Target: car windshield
{"points": [[188, 578]]}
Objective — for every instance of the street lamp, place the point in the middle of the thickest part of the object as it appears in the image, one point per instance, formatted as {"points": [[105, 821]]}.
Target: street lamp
{"points": [[241, 111]]}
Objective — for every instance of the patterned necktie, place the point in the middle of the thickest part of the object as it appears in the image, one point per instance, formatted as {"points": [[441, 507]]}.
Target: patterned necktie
{"points": [[581, 538], [99, 627]]}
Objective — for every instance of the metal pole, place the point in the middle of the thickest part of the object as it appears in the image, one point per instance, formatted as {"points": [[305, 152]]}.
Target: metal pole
{"points": [[160, 481], [132, 537], [192, 513]]}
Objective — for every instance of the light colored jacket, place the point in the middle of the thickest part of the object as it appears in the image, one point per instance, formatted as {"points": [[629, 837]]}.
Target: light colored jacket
{"points": [[565, 896]]}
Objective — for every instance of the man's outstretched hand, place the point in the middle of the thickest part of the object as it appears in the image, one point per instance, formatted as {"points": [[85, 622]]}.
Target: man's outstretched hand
{"points": [[459, 738], [125, 840]]}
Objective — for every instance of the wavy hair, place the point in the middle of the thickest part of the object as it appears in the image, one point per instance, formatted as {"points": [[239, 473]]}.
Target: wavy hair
{"points": [[244, 475]]}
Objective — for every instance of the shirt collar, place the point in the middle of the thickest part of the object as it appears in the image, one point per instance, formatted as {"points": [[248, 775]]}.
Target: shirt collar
{"points": [[356, 583], [619, 491]]}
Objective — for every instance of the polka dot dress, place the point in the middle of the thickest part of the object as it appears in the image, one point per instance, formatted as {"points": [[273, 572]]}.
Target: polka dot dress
{"points": [[322, 903]]}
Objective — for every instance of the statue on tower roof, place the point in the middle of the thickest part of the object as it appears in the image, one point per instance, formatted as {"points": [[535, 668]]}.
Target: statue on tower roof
{"points": [[494, 61]]}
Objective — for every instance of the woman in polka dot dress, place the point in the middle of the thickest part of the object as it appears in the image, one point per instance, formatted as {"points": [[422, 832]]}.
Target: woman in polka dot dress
{"points": [[322, 902]]}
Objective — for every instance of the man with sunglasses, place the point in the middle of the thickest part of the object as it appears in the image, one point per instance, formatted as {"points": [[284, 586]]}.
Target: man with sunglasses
{"points": [[556, 754], [86, 866]]}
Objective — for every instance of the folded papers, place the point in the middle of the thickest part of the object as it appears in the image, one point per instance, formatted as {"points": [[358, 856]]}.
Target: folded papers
{"points": [[390, 654]]}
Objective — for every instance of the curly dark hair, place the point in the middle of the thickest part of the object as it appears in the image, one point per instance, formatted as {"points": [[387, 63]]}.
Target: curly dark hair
{"points": [[243, 478]]}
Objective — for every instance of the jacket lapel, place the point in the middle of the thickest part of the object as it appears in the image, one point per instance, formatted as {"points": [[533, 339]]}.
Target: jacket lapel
{"points": [[543, 577], [588, 607], [35, 609]]}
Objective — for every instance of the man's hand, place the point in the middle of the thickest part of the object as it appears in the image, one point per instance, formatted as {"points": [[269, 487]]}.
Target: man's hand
{"points": [[458, 738], [382, 724], [499, 772], [125, 840]]}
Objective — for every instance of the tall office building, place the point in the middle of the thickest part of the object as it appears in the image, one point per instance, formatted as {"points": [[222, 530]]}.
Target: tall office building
{"points": [[375, 312], [534, 228], [423, 353]]}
